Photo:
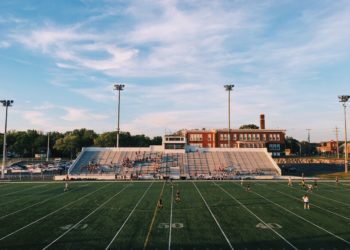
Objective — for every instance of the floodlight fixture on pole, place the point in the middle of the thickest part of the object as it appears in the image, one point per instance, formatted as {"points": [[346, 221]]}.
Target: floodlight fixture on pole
{"points": [[6, 104], [229, 88], [118, 87], [344, 99]]}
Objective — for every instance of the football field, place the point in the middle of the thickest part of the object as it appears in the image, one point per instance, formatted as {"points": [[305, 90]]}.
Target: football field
{"points": [[210, 215]]}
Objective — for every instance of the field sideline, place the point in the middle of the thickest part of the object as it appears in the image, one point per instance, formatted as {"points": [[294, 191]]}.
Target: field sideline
{"points": [[211, 215]]}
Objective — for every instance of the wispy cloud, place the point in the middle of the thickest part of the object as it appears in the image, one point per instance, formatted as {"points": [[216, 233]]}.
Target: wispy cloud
{"points": [[75, 114], [175, 57], [4, 44]]}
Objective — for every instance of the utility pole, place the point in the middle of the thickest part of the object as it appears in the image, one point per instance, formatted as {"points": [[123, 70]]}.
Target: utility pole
{"points": [[308, 139], [336, 135], [308, 134]]}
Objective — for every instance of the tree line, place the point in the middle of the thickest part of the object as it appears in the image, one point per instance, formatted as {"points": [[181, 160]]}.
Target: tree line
{"points": [[69, 144]]}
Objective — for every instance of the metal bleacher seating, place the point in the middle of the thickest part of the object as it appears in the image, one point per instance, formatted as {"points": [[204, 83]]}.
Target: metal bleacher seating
{"points": [[209, 162]]}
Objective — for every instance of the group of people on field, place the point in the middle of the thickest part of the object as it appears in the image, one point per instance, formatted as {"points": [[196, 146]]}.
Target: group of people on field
{"points": [[177, 198]]}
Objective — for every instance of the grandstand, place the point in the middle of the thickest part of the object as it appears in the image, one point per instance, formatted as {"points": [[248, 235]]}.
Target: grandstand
{"points": [[181, 162]]}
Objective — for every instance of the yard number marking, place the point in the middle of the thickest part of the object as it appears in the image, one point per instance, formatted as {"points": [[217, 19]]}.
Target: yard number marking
{"points": [[269, 225], [173, 225]]}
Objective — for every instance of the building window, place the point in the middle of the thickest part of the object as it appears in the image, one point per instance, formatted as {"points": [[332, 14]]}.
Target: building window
{"points": [[223, 137], [249, 137], [278, 137], [196, 137], [235, 137], [264, 137], [245, 137], [209, 137], [257, 136], [240, 137]]}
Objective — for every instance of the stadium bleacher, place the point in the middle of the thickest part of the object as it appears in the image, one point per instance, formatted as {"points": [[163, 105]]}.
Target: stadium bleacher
{"points": [[197, 163]]}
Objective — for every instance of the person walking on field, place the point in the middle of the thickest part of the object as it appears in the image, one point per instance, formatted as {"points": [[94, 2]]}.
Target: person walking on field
{"points": [[160, 203], [65, 186], [178, 198], [306, 202]]}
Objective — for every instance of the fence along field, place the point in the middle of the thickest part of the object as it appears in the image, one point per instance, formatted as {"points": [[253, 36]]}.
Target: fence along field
{"points": [[210, 215]]}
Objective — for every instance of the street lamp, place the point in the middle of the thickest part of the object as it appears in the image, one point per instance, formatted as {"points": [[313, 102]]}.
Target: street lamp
{"points": [[229, 88], [344, 99], [6, 104], [118, 87]]}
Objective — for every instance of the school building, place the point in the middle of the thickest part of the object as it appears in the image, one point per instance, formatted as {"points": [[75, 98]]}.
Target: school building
{"points": [[272, 139]]}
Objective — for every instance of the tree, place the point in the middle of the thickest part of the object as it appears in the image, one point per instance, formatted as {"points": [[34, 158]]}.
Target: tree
{"points": [[68, 145], [249, 126], [293, 144], [107, 139], [157, 140]]}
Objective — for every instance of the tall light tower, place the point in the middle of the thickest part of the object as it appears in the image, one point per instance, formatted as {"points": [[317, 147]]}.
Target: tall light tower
{"points": [[6, 104], [118, 87], [344, 99], [229, 88], [48, 147]]}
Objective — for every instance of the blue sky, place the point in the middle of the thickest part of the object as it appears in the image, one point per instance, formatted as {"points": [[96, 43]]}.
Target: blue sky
{"points": [[288, 59]]}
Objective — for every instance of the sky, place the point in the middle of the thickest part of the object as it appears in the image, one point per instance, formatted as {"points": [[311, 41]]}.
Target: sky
{"points": [[287, 59]]}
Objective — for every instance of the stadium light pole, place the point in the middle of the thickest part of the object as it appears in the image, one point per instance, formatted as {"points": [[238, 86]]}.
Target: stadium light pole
{"points": [[344, 99], [229, 88], [48, 147], [6, 104], [118, 87]]}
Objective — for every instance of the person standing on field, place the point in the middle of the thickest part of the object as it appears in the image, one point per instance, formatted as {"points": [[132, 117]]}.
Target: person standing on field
{"points": [[306, 202]]}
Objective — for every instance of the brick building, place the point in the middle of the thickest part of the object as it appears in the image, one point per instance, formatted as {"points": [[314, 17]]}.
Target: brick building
{"points": [[272, 139], [329, 147]]}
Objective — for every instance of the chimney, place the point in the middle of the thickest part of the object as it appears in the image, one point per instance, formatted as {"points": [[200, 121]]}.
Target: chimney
{"points": [[262, 121]]}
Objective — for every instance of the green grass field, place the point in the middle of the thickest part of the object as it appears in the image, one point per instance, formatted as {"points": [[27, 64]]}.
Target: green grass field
{"points": [[211, 215]]}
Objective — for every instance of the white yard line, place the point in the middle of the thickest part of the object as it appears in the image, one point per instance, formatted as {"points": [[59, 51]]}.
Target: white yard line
{"points": [[171, 216], [126, 220], [217, 223], [313, 205], [324, 197], [20, 229], [310, 222], [94, 211], [15, 192], [257, 217], [40, 202], [346, 189]]}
